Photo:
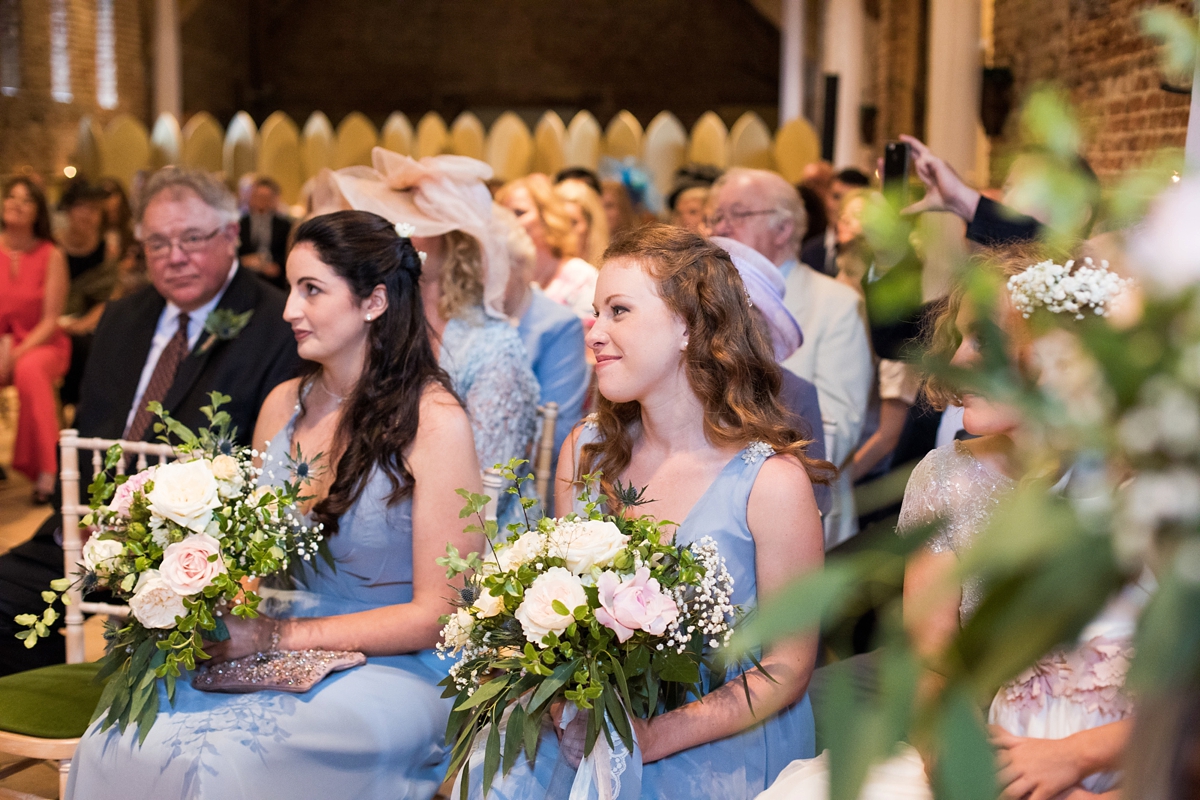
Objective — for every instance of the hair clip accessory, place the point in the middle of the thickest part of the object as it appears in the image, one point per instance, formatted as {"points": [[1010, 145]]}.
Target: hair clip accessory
{"points": [[405, 230]]}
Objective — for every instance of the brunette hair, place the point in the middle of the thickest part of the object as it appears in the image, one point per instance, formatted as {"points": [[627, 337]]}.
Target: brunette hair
{"points": [[41, 223], [551, 209], [381, 414], [942, 335], [729, 359]]}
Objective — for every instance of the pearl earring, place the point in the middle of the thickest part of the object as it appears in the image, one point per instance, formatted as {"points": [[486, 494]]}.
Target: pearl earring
{"points": [[368, 317]]}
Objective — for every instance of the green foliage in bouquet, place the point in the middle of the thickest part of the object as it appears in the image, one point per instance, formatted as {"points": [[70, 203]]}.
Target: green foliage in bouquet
{"points": [[176, 541], [538, 621]]}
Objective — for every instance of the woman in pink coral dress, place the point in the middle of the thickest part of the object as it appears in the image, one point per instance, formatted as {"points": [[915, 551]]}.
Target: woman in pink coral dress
{"points": [[1061, 726]]}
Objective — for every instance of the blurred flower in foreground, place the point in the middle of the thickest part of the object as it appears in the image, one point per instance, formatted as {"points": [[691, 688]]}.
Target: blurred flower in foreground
{"points": [[1165, 251]]}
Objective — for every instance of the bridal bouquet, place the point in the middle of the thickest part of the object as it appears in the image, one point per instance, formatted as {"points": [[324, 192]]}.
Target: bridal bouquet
{"points": [[174, 542], [605, 612]]}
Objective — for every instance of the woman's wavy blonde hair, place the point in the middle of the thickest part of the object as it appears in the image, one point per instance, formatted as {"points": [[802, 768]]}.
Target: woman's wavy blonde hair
{"points": [[560, 231], [573, 191], [729, 360], [462, 275]]}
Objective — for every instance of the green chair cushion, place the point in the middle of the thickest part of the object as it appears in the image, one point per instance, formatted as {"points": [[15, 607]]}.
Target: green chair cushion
{"points": [[53, 702]]}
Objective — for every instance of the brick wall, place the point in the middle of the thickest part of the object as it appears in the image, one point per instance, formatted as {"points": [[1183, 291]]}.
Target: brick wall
{"points": [[1095, 51], [37, 132]]}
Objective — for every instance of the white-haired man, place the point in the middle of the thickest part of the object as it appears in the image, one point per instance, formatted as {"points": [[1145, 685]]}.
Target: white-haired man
{"points": [[761, 209]]}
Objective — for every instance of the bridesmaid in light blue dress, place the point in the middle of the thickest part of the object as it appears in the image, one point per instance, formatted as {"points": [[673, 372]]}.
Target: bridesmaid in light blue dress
{"points": [[379, 399], [711, 443]]}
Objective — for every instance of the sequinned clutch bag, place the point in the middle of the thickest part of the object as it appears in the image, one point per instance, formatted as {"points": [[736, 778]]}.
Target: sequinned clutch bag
{"points": [[281, 671]]}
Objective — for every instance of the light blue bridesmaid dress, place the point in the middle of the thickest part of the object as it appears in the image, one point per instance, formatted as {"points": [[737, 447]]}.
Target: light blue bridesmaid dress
{"points": [[376, 731], [733, 768]]}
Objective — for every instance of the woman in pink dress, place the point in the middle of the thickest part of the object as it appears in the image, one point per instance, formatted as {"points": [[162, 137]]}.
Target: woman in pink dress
{"points": [[34, 352]]}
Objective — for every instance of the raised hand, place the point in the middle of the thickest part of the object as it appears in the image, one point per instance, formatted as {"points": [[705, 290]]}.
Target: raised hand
{"points": [[944, 189]]}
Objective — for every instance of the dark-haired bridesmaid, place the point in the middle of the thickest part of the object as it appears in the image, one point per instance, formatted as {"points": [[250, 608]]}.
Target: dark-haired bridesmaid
{"points": [[397, 444]]}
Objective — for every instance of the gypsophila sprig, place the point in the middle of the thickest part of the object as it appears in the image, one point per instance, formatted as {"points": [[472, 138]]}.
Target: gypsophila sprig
{"points": [[1063, 288], [605, 612], [175, 541]]}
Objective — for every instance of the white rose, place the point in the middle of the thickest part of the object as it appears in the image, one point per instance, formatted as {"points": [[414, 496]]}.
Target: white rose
{"points": [[526, 548], [536, 613], [271, 508], [457, 632], [187, 566], [155, 604], [488, 605], [225, 468], [185, 493], [98, 555], [587, 543]]}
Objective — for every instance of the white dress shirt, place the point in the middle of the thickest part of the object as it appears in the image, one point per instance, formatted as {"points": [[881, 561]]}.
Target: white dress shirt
{"points": [[164, 332]]}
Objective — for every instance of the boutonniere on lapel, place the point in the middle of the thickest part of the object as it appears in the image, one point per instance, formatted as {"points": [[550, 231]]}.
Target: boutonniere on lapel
{"points": [[222, 325]]}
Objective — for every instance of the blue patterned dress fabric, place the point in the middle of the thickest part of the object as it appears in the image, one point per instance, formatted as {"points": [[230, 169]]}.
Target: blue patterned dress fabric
{"points": [[489, 369], [376, 731], [735, 768]]}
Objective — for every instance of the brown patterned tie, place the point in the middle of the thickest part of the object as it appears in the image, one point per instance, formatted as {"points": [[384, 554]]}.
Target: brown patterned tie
{"points": [[160, 380]]}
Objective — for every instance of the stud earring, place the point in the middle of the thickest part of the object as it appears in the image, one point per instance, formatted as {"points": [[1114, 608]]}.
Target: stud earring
{"points": [[368, 317]]}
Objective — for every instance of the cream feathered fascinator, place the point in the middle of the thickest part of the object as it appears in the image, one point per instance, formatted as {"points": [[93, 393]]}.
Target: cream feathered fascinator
{"points": [[430, 197]]}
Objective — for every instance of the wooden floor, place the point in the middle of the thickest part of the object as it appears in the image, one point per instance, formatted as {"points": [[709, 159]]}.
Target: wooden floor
{"points": [[19, 519]]}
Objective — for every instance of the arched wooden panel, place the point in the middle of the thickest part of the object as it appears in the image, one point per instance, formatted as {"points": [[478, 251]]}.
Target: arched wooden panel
{"points": [[510, 147], [279, 154], [796, 146], [467, 136], [316, 145], [583, 142], [397, 134], [125, 148], [549, 144], [432, 137], [87, 158], [203, 142], [166, 141], [623, 137], [356, 137], [708, 141], [664, 150], [240, 154], [750, 143]]}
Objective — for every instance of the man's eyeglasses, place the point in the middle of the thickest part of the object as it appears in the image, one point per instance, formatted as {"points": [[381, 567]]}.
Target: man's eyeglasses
{"points": [[189, 242], [735, 217]]}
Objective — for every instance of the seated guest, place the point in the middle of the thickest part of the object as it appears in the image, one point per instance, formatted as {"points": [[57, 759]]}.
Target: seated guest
{"points": [[34, 353], [463, 283], [587, 213], [151, 345], [765, 286], [709, 441], [618, 207], [689, 195], [118, 218], [820, 251], [762, 210], [581, 174], [553, 337], [92, 263], [399, 445], [263, 232], [563, 277]]}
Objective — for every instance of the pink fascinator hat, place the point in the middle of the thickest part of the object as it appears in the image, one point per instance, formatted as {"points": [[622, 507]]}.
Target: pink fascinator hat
{"points": [[764, 283], [431, 196]]}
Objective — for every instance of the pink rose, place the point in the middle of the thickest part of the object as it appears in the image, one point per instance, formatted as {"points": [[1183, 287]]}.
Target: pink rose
{"points": [[186, 567], [633, 604], [123, 496]]}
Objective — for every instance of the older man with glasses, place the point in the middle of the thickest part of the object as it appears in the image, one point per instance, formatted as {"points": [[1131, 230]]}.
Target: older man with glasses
{"points": [[203, 325], [762, 210]]}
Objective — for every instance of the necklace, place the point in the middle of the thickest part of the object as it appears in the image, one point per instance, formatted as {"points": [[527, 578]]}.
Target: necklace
{"points": [[325, 389]]}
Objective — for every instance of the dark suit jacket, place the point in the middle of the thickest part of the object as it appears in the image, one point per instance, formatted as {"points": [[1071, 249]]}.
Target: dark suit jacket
{"points": [[812, 253], [246, 367], [800, 398], [281, 228], [996, 224]]}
